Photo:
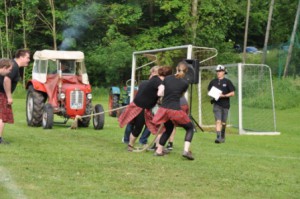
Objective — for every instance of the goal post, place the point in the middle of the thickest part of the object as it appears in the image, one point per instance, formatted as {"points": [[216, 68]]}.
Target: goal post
{"points": [[252, 110]]}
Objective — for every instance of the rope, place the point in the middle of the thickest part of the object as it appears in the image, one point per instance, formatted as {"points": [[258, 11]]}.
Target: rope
{"points": [[151, 143], [74, 125], [100, 113]]}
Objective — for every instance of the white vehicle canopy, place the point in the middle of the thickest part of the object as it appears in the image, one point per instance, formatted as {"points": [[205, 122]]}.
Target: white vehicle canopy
{"points": [[50, 62], [54, 54]]}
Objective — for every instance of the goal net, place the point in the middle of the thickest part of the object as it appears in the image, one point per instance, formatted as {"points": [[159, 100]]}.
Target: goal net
{"points": [[252, 109]]}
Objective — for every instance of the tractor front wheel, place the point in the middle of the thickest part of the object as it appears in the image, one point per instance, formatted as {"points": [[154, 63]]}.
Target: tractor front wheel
{"points": [[85, 122], [98, 119], [48, 117]]}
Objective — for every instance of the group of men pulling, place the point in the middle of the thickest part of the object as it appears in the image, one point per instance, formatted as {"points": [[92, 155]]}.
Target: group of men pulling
{"points": [[169, 88]]}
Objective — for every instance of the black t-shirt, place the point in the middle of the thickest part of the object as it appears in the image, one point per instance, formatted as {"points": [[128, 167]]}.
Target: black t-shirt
{"points": [[183, 101], [146, 96], [226, 86], [13, 75], [174, 89]]}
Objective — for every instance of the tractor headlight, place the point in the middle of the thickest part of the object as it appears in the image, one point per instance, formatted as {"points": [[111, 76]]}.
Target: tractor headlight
{"points": [[89, 96], [62, 96]]}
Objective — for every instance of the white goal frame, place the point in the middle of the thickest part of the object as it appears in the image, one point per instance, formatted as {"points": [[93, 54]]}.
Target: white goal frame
{"points": [[189, 55], [239, 93]]}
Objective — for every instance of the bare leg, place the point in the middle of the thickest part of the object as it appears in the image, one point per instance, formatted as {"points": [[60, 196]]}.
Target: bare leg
{"points": [[172, 135], [132, 140], [159, 148], [1, 127], [164, 137], [187, 146], [218, 131], [218, 125]]}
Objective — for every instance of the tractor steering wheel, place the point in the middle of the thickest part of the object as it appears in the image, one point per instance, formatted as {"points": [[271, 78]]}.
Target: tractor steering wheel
{"points": [[128, 83]]}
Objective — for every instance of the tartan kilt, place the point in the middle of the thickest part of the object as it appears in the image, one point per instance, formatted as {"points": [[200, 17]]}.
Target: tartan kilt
{"points": [[185, 108], [6, 113], [176, 116], [130, 112], [152, 127]]}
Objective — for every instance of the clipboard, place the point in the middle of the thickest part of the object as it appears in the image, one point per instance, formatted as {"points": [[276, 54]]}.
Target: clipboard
{"points": [[215, 93]]}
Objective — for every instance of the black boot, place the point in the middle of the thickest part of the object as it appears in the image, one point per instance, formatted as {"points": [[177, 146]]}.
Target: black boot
{"points": [[223, 133], [218, 140]]}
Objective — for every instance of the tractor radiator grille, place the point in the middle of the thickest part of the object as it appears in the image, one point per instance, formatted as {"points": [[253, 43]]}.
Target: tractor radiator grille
{"points": [[77, 99]]}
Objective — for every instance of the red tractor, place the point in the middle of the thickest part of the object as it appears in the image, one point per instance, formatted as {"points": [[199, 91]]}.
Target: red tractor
{"points": [[60, 86]]}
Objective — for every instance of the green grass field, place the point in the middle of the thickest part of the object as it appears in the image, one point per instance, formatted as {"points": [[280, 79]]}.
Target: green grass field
{"points": [[62, 163]]}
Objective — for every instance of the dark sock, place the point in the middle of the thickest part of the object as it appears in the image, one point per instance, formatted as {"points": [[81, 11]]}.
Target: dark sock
{"points": [[223, 131]]}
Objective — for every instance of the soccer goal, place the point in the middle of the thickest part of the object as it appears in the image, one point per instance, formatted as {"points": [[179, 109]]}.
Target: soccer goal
{"points": [[252, 108]]}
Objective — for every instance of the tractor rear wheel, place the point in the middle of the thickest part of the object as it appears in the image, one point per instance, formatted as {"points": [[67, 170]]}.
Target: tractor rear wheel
{"points": [[34, 107], [48, 116], [98, 120], [113, 103]]}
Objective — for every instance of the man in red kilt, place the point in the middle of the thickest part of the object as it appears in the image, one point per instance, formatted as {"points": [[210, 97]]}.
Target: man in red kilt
{"points": [[8, 84], [170, 112], [139, 112]]}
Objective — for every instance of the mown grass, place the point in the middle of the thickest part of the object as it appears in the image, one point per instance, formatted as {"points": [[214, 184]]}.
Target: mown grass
{"points": [[84, 163]]}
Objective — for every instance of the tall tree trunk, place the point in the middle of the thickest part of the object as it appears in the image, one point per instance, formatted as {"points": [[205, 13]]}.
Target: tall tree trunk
{"points": [[246, 31], [288, 59], [6, 29], [51, 2], [195, 20], [23, 25], [151, 11], [24, 38], [267, 32], [1, 43]]}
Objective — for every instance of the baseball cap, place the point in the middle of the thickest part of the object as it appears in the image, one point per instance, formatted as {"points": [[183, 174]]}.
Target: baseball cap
{"points": [[221, 68]]}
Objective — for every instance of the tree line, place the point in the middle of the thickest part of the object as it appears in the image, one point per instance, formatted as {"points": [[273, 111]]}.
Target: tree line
{"points": [[108, 31]]}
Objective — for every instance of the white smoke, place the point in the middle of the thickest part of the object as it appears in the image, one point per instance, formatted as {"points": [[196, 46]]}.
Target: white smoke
{"points": [[78, 20]]}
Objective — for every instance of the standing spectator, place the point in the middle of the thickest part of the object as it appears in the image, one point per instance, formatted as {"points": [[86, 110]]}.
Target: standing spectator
{"points": [[222, 104], [170, 112], [8, 84]]}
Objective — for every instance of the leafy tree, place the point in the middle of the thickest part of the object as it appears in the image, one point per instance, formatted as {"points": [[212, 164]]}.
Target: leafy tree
{"points": [[108, 31], [283, 20], [110, 65]]}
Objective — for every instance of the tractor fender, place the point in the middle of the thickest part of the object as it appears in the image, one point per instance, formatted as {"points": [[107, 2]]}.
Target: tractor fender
{"points": [[36, 85], [115, 90]]}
